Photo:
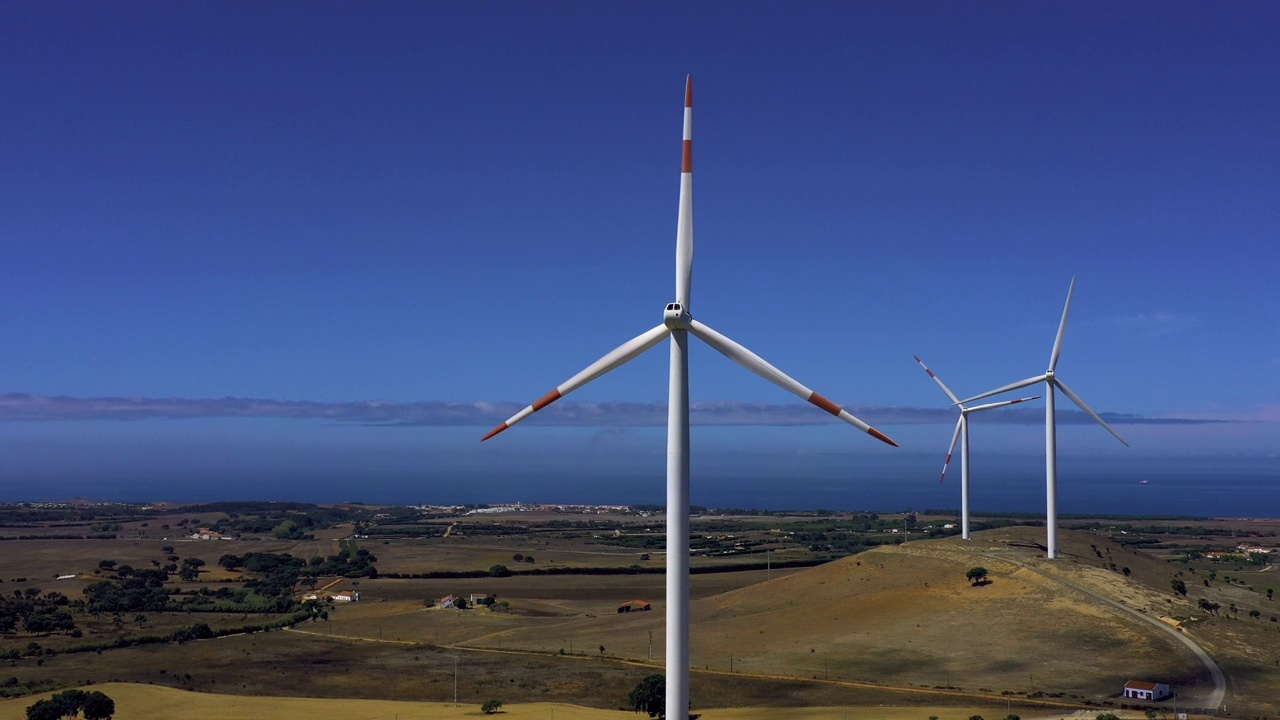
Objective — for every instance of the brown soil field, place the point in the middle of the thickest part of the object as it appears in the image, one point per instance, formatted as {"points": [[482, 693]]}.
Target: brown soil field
{"points": [[479, 552]]}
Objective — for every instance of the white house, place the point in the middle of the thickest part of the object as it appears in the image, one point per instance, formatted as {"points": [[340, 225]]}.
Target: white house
{"points": [[345, 596], [1142, 690]]}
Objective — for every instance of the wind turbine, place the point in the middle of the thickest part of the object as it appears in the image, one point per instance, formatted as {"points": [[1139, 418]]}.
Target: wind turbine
{"points": [[678, 323], [1051, 381], [962, 433]]}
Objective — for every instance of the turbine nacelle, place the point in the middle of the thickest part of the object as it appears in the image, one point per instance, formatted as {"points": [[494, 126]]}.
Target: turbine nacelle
{"points": [[676, 316]]}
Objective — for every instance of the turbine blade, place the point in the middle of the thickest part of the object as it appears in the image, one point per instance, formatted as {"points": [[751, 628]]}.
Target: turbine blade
{"points": [[616, 357], [684, 221], [1062, 328], [1002, 404], [1080, 403], [938, 380], [1006, 388], [954, 437], [759, 366]]}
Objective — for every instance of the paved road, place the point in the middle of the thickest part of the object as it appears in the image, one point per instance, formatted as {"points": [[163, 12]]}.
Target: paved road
{"points": [[1219, 694]]}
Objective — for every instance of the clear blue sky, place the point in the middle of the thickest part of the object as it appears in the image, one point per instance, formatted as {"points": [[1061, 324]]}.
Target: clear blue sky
{"points": [[442, 206]]}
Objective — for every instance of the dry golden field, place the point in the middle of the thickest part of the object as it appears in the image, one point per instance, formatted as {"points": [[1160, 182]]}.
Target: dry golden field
{"points": [[149, 702]]}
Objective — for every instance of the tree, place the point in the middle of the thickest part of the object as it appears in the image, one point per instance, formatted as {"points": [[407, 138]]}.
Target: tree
{"points": [[650, 696], [976, 575], [97, 706], [191, 568], [1255, 614], [70, 703], [499, 571], [1179, 587], [1108, 716], [1270, 592], [518, 557], [491, 707]]}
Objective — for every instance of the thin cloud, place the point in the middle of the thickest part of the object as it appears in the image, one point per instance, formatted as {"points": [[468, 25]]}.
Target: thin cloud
{"points": [[22, 407], [1151, 324]]}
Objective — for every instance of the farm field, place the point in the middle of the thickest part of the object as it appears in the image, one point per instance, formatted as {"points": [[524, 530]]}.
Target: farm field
{"points": [[896, 624], [148, 702]]}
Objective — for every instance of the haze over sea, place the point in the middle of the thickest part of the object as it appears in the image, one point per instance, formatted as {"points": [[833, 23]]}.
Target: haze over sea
{"points": [[1219, 487]]}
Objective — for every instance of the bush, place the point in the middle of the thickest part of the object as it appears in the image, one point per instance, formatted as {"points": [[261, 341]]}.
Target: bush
{"points": [[491, 707]]}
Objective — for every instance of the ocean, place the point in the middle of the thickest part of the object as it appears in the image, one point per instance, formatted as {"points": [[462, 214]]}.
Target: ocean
{"points": [[1224, 487]]}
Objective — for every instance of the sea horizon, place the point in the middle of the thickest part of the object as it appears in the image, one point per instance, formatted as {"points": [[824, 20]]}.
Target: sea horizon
{"points": [[1218, 487]]}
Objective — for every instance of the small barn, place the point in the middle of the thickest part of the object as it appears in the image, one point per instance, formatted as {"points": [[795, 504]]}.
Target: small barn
{"points": [[637, 605], [1143, 690]]}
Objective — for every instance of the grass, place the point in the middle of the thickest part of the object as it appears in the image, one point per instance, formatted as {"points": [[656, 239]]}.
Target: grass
{"points": [[149, 702]]}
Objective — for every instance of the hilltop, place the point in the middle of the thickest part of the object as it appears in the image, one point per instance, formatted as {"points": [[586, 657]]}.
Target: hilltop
{"points": [[906, 614]]}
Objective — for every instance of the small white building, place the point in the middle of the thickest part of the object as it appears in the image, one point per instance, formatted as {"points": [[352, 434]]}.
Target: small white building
{"points": [[1143, 690], [345, 596]]}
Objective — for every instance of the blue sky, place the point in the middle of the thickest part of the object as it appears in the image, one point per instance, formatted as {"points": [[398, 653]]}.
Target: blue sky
{"points": [[451, 208]]}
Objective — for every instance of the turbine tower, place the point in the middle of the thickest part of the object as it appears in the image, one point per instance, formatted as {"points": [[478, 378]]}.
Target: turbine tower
{"points": [[678, 323], [962, 433], [1052, 381]]}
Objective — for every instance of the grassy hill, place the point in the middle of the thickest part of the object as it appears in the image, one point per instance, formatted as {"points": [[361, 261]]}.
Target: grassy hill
{"points": [[907, 615]]}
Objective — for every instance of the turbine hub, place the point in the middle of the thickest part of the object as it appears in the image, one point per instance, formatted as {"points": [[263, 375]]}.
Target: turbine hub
{"points": [[676, 316]]}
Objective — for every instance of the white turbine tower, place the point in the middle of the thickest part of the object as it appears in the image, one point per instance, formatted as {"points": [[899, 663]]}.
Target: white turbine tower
{"points": [[1052, 381], [962, 433], [678, 324]]}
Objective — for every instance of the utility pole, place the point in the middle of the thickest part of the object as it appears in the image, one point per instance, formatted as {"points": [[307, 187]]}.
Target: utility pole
{"points": [[455, 678], [768, 564], [650, 644]]}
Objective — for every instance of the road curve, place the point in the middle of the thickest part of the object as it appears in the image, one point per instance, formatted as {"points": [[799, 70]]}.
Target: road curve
{"points": [[1219, 694]]}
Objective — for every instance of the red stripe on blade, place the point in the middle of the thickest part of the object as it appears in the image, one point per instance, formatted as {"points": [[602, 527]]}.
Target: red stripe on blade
{"points": [[688, 91], [686, 164], [546, 400], [494, 431], [880, 436], [825, 404]]}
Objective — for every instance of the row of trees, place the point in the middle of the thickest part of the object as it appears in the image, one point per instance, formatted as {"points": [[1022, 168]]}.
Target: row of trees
{"points": [[73, 703]]}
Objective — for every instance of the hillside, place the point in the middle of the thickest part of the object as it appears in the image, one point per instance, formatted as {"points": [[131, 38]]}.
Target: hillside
{"points": [[906, 614]]}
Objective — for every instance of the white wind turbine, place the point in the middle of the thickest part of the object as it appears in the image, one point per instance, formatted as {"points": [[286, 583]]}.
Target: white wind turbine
{"points": [[678, 323], [1051, 381], [962, 433]]}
